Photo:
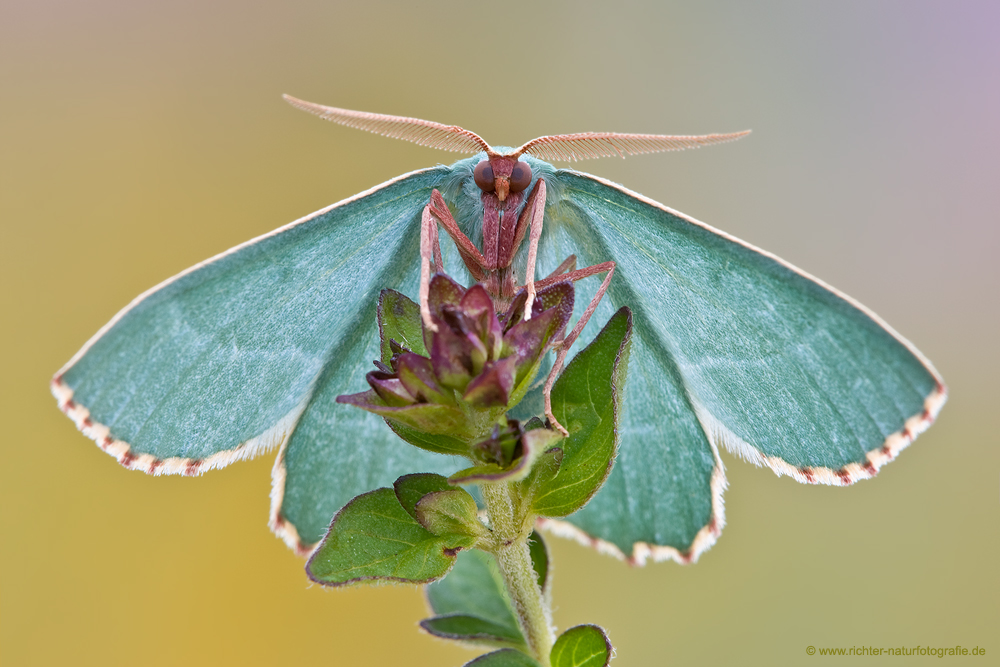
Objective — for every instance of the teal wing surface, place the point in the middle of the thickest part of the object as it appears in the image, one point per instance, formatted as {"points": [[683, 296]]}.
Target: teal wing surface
{"points": [[232, 356], [734, 347], [731, 346]]}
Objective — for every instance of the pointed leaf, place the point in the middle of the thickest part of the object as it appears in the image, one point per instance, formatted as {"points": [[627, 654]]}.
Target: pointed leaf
{"points": [[581, 646], [539, 559], [542, 472], [473, 630], [427, 417], [586, 399], [523, 386], [505, 657], [486, 472], [409, 489], [399, 320], [373, 538], [474, 588], [436, 442], [450, 512]]}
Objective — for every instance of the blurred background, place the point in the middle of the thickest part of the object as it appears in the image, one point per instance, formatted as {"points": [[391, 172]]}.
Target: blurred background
{"points": [[138, 138]]}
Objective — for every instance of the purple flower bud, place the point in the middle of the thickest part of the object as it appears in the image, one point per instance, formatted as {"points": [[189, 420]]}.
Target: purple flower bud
{"points": [[477, 368], [503, 445], [442, 291], [417, 375], [492, 387], [468, 336], [559, 296], [481, 319], [528, 340], [389, 389], [451, 353]]}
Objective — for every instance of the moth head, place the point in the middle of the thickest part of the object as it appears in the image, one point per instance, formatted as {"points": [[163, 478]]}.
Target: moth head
{"points": [[502, 175]]}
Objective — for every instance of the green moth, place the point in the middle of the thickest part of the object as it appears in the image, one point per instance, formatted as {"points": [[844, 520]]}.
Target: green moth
{"points": [[731, 347]]}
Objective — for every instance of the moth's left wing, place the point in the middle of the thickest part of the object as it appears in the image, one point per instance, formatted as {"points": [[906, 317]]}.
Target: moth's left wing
{"points": [[735, 347], [235, 354]]}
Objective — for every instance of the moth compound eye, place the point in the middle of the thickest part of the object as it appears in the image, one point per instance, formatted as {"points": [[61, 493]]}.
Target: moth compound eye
{"points": [[484, 176], [520, 177]]}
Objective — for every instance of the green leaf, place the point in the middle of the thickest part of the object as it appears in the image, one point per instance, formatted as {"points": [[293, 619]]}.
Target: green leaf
{"points": [[521, 388], [374, 538], [475, 589], [586, 399], [545, 469], [409, 489], [472, 630], [487, 472], [451, 512], [582, 646], [439, 443], [505, 657], [399, 320], [432, 418], [539, 558]]}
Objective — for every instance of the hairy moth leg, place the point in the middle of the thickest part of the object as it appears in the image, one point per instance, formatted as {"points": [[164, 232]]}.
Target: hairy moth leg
{"points": [[536, 202], [575, 333]]}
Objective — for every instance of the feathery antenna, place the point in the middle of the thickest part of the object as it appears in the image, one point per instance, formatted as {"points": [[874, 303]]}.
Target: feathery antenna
{"points": [[565, 147], [422, 132]]}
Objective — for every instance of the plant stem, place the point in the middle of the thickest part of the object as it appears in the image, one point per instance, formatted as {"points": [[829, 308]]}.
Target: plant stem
{"points": [[510, 547]]}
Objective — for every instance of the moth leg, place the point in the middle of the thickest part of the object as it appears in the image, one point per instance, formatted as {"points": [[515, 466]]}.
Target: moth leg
{"points": [[568, 267], [428, 238], [561, 274], [575, 274], [565, 344], [473, 259], [537, 204], [569, 264], [436, 247]]}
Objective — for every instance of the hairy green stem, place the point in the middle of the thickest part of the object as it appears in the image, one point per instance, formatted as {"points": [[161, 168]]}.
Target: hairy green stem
{"points": [[510, 547]]}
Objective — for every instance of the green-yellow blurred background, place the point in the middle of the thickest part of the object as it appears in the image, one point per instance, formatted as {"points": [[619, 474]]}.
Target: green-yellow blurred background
{"points": [[137, 138]]}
